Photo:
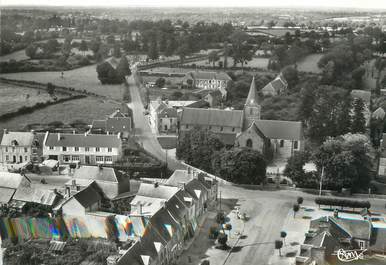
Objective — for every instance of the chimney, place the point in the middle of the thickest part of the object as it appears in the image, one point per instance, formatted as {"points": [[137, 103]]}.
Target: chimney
{"points": [[58, 137]]}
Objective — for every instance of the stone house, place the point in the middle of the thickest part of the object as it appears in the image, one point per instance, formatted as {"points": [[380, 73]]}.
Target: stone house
{"points": [[275, 87]]}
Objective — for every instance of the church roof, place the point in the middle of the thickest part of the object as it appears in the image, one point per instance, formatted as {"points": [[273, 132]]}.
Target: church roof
{"points": [[252, 95], [283, 130], [214, 117]]}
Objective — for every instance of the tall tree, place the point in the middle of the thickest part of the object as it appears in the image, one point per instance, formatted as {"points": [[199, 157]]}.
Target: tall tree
{"points": [[83, 47], [358, 120], [123, 68], [241, 51], [213, 57], [153, 50]]}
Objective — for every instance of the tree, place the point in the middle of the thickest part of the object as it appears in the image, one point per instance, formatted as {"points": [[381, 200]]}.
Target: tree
{"points": [[299, 200], [197, 147], [283, 235], [51, 46], [291, 76], [241, 51], [357, 75], [83, 47], [50, 89], [107, 74], [182, 52], [239, 165], [344, 117], [117, 50], [294, 170], [295, 208], [31, 50], [358, 120], [222, 239], [307, 95], [153, 50], [278, 245], [213, 57], [346, 162], [123, 68], [94, 45], [160, 82]]}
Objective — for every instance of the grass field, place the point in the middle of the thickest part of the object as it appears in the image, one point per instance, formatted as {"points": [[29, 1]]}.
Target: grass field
{"points": [[13, 97], [310, 63], [255, 62], [17, 56], [85, 109], [84, 78]]}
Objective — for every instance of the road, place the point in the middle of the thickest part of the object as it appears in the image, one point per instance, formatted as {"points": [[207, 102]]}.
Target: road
{"points": [[142, 127], [267, 210]]}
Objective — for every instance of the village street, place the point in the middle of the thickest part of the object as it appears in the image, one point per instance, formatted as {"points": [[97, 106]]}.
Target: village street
{"points": [[142, 128]]}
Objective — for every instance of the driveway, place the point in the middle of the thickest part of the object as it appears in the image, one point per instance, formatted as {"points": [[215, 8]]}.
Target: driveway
{"points": [[142, 128]]}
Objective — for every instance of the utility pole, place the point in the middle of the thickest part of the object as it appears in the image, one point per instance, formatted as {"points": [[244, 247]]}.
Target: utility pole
{"points": [[321, 182]]}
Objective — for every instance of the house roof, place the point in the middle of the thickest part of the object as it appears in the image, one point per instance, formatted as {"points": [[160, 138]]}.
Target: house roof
{"points": [[157, 191], [252, 94], [132, 255], [21, 138], [12, 180], [209, 75], [278, 84], [355, 228], [168, 112], [214, 117], [87, 197], [117, 114], [158, 104], [378, 241], [149, 205], [179, 176], [6, 194], [118, 124], [176, 206], [106, 174], [26, 193], [98, 124], [364, 95], [81, 140], [379, 113], [284, 130], [255, 129], [180, 103]]}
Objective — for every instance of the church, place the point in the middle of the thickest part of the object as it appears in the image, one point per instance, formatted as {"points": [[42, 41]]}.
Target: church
{"points": [[245, 128]]}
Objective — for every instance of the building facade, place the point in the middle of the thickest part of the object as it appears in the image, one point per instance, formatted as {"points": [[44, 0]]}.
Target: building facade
{"points": [[84, 149]]}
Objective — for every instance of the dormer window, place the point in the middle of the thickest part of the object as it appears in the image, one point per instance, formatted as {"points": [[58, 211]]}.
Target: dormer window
{"points": [[14, 143]]}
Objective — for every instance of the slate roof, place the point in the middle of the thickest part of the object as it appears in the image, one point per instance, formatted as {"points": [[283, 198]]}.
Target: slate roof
{"points": [[157, 191], [253, 97], [22, 138], [80, 140], [355, 228], [87, 197], [150, 205], [118, 124], [31, 194], [106, 174], [176, 207], [209, 75], [169, 112], [6, 194], [278, 84], [364, 95], [214, 117], [284, 130], [12, 180], [132, 255], [179, 177]]}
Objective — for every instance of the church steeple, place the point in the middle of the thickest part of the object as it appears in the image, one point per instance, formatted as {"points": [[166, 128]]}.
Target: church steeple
{"points": [[252, 98], [252, 108]]}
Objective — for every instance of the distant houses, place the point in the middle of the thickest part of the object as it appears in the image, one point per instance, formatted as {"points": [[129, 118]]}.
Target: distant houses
{"points": [[117, 122], [207, 80], [275, 87]]}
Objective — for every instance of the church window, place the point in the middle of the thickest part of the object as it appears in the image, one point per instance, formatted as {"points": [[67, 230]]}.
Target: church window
{"points": [[249, 143], [296, 145], [233, 129], [281, 143]]}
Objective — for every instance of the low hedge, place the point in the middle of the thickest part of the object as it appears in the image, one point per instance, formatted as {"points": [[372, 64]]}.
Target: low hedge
{"points": [[343, 203]]}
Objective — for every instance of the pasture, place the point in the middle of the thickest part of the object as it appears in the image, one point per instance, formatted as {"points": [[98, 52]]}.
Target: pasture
{"points": [[13, 97], [85, 109], [310, 63], [84, 78]]}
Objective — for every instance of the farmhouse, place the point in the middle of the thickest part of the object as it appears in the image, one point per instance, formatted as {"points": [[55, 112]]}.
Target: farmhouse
{"points": [[208, 80], [244, 128], [9, 183], [88, 149], [86, 200], [116, 123], [163, 118], [19, 147], [275, 87]]}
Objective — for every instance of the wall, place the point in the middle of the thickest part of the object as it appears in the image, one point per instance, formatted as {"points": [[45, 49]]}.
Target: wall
{"points": [[257, 141]]}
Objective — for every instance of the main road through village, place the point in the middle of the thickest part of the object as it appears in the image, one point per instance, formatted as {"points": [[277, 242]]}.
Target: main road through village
{"points": [[142, 128]]}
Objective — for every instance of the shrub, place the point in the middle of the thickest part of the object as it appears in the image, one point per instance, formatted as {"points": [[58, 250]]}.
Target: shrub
{"points": [[220, 218], [343, 203], [300, 200], [222, 239]]}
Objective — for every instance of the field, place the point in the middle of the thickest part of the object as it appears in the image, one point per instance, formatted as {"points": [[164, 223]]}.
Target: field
{"points": [[85, 109], [310, 63], [17, 56], [84, 78], [255, 62], [13, 97]]}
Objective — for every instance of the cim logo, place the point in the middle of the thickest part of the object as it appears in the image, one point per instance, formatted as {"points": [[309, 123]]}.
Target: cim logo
{"points": [[350, 255]]}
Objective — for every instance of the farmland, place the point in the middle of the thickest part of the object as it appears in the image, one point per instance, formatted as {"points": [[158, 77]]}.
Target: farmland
{"points": [[84, 78], [310, 63], [13, 97], [85, 109]]}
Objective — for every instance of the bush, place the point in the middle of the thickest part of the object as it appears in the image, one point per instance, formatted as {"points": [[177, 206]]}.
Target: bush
{"points": [[300, 200], [220, 218], [343, 203], [222, 239]]}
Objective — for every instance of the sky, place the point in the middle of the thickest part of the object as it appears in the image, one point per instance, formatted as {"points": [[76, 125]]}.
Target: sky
{"points": [[365, 4]]}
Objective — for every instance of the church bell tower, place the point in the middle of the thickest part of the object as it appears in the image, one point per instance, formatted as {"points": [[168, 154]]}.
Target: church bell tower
{"points": [[252, 109]]}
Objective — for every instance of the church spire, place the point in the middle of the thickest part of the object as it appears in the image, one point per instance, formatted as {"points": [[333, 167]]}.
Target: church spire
{"points": [[252, 98]]}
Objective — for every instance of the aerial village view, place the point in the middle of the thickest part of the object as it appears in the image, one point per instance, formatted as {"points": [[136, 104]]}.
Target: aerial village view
{"points": [[203, 133]]}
